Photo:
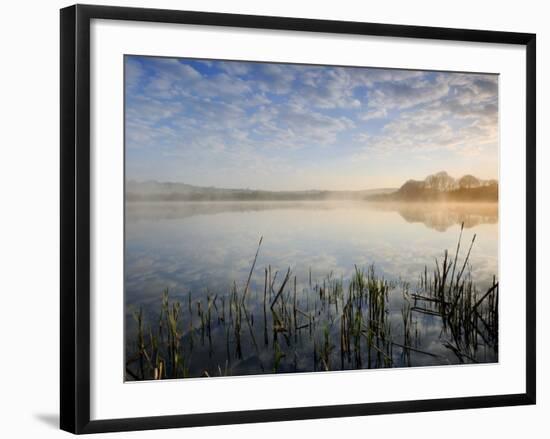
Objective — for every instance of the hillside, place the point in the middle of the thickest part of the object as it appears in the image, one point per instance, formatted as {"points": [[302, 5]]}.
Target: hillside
{"points": [[157, 191]]}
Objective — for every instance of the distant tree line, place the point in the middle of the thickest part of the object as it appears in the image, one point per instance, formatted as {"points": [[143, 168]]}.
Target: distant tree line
{"points": [[443, 187]]}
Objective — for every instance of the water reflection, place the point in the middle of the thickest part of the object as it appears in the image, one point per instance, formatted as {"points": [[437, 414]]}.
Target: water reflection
{"points": [[441, 216], [162, 210], [202, 251], [438, 216]]}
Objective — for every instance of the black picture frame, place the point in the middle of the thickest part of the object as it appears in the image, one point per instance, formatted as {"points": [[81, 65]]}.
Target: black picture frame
{"points": [[75, 217]]}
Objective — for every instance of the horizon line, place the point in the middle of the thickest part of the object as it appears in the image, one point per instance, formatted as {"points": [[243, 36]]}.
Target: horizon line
{"points": [[151, 180]]}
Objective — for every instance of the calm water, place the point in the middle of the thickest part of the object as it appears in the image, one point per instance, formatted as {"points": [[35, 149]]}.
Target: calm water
{"points": [[205, 248]]}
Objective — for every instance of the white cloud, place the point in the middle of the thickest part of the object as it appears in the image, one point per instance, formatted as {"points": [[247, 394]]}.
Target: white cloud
{"points": [[234, 68], [406, 94], [246, 115], [275, 78], [374, 114], [330, 88]]}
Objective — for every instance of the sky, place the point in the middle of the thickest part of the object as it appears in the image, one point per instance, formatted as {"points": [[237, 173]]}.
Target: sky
{"points": [[273, 126]]}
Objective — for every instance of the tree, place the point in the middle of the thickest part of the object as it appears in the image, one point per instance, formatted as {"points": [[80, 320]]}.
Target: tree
{"points": [[441, 182], [468, 182]]}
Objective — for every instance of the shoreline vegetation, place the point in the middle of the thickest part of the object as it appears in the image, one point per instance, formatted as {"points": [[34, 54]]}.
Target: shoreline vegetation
{"points": [[438, 187], [285, 324]]}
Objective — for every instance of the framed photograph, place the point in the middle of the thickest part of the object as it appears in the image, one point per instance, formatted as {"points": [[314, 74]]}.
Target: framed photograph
{"points": [[268, 218]]}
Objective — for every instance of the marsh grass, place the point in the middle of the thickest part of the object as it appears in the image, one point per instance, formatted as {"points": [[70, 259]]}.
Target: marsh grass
{"points": [[331, 324]]}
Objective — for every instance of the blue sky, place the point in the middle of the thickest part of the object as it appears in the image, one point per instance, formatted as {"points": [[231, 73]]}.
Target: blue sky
{"points": [[290, 127]]}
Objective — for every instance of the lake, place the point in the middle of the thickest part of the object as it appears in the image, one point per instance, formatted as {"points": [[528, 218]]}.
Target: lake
{"points": [[323, 317]]}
